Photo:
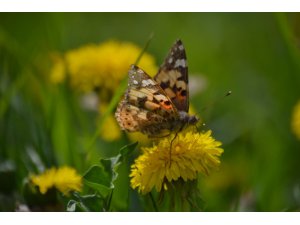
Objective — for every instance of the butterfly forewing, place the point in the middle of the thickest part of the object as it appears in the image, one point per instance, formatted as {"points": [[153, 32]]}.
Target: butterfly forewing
{"points": [[173, 77], [144, 92]]}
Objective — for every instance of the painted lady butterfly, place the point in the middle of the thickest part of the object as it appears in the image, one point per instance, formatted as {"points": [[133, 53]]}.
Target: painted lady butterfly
{"points": [[159, 105]]}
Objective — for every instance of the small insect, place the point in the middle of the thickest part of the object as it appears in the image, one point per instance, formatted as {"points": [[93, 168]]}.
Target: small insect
{"points": [[157, 106]]}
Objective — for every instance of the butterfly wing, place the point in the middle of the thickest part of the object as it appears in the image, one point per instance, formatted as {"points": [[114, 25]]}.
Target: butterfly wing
{"points": [[173, 77], [145, 106]]}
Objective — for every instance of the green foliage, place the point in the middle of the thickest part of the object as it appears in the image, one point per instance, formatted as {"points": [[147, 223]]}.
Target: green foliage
{"points": [[100, 179], [87, 203]]}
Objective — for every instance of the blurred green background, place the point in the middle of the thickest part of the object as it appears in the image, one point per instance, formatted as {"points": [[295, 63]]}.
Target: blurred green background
{"points": [[255, 55]]}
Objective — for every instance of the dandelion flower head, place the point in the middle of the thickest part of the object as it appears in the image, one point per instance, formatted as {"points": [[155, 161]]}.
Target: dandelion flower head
{"points": [[102, 65], [65, 179], [191, 153]]}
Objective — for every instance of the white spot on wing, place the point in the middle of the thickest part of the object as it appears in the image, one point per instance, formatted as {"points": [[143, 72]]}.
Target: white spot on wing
{"points": [[180, 47], [170, 60], [180, 62], [135, 81], [147, 82]]}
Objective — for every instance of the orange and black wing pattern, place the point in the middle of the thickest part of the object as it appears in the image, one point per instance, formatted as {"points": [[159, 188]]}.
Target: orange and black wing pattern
{"points": [[173, 77], [145, 107]]}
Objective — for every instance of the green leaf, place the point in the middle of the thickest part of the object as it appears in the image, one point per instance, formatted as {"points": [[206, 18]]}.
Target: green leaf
{"points": [[112, 164], [72, 206], [127, 150], [105, 173], [98, 179], [101, 179], [87, 203]]}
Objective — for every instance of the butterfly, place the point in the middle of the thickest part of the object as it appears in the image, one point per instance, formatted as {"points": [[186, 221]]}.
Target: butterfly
{"points": [[160, 105]]}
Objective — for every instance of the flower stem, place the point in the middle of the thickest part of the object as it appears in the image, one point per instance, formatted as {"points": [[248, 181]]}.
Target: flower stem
{"points": [[109, 200], [153, 202]]}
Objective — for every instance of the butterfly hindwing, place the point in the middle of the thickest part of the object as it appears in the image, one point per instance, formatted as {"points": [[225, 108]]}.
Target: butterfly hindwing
{"points": [[132, 118], [173, 77], [145, 106]]}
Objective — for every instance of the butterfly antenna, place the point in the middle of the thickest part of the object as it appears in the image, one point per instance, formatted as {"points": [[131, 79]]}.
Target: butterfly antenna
{"points": [[228, 93], [201, 123]]}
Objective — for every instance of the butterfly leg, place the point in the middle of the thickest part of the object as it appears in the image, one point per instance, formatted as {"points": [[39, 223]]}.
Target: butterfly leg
{"points": [[170, 152], [176, 134]]}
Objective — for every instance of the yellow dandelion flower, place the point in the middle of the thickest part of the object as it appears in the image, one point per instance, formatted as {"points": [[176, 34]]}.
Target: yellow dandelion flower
{"points": [[64, 179], [110, 130], [58, 70], [44, 181], [67, 180], [104, 65], [191, 153], [295, 123]]}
